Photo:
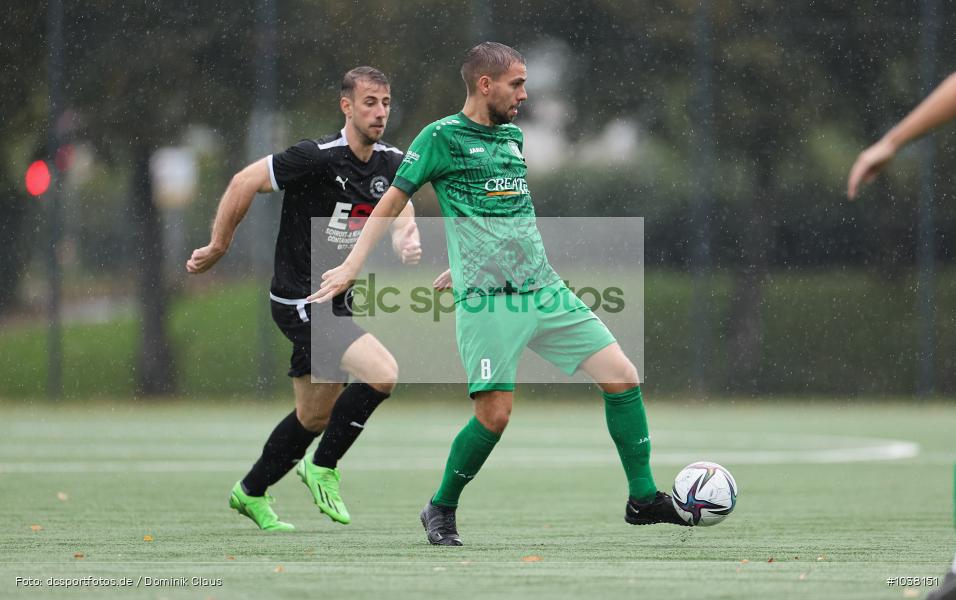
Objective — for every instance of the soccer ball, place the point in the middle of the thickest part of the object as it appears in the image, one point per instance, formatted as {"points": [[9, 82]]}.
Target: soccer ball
{"points": [[704, 493]]}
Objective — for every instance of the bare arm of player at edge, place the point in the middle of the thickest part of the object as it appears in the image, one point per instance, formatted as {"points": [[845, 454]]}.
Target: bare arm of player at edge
{"points": [[938, 108], [238, 197]]}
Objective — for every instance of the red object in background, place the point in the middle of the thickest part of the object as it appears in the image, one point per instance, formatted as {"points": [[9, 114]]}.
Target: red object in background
{"points": [[38, 178]]}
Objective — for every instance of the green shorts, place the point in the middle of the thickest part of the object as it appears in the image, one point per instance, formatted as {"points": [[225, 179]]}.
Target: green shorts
{"points": [[493, 331]]}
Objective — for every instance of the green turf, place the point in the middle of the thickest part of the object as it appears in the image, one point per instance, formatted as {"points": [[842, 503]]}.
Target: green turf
{"points": [[551, 490]]}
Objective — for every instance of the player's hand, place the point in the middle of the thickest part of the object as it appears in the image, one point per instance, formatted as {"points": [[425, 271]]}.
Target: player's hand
{"points": [[204, 258], [868, 165], [443, 281], [334, 282], [408, 245]]}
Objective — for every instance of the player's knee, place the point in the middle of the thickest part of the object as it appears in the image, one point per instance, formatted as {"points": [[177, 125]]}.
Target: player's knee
{"points": [[626, 375], [383, 387], [387, 376], [494, 415], [496, 421], [313, 420]]}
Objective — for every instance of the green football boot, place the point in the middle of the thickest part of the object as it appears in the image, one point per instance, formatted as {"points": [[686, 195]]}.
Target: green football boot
{"points": [[324, 485], [257, 508]]}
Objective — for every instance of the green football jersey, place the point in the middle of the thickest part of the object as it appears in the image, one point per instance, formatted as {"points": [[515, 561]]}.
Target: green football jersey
{"points": [[478, 173]]}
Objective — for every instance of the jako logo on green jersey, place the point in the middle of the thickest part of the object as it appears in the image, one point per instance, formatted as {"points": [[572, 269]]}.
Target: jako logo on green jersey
{"points": [[506, 186]]}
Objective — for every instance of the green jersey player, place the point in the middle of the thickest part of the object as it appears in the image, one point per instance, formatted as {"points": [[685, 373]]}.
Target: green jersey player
{"points": [[507, 295]]}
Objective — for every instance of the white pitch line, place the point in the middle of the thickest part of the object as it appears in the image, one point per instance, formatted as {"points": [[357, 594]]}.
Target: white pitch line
{"points": [[875, 450]]}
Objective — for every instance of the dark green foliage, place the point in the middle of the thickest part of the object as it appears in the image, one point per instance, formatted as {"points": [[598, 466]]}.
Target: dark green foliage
{"points": [[845, 333]]}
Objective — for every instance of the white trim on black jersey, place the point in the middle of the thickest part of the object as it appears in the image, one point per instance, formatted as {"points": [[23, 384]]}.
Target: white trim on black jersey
{"points": [[272, 176], [376, 147], [344, 141], [341, 141]]}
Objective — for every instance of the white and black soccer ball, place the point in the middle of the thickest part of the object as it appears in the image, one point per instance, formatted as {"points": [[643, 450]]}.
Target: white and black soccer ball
{"points": [[704, 493]]}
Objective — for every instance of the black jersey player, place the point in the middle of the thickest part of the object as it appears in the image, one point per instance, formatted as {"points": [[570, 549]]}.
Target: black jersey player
{"points": [[337, 179]]}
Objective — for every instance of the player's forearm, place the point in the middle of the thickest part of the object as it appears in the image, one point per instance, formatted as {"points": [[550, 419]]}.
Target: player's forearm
{"points": [[938, 108], [402, 221], [232, 209], [388, 208]]}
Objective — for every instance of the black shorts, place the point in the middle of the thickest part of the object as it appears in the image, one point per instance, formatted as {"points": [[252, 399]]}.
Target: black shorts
{"points": [[335, 332]]}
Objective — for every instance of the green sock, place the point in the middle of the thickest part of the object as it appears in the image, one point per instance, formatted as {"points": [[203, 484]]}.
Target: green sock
{"points": [[468, 452], [627, 424]]}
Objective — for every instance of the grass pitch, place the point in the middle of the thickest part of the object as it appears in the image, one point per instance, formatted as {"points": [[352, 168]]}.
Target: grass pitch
{"points": [[835, 498]]}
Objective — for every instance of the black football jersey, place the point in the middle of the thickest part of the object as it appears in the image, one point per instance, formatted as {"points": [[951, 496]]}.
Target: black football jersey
{"points": [[323, 178]]}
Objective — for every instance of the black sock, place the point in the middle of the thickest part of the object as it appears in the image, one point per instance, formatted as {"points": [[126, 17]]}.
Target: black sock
{"points": [[286, 445], [353, 408]]}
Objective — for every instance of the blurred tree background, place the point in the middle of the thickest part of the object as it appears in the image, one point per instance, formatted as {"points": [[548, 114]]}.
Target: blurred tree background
{"points": [[735, 121]]}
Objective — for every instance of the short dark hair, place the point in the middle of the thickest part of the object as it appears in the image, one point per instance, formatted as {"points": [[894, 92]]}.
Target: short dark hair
{"points": [[487, 58], [370, 74]]}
